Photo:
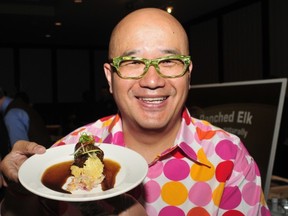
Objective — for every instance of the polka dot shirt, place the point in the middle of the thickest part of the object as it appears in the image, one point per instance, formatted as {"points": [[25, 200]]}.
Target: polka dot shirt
{"points": [[207, 172]]}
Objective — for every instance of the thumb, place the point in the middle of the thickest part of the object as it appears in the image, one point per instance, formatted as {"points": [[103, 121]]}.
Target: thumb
{"points": [[28, 148]]}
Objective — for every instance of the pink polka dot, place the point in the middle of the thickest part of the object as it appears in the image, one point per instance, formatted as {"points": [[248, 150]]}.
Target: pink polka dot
{"points": [[251, 175], [231, 198], [241, 165], [108, 139], [200, 194], [188, 150], [155, 170], [257, 171], [118, 138], [226, 149], [251, 193], [150, 210], [171, 211], [152, 191], [253, 211], [265, 211], [176, 169]]}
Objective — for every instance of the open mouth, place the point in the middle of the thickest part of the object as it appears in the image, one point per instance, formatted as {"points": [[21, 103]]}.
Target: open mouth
{"points": [[153, 100]]}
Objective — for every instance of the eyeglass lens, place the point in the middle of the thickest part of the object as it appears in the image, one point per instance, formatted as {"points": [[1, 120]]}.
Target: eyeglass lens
{"points": [[167, 67]]}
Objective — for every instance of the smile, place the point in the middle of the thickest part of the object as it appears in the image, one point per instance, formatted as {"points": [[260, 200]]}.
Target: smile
{"points": [[153, 100]]}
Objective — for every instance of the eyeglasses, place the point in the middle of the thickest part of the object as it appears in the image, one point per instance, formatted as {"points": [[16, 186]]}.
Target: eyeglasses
{"points": [[173, 66]]}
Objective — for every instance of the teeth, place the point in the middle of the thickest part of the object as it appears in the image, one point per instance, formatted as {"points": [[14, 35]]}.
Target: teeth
{"points": [[153, 100]]}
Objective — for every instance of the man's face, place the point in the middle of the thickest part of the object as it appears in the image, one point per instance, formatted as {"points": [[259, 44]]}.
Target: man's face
{"points": [[152, 102]]}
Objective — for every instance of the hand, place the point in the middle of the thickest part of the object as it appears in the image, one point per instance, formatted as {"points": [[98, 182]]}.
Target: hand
{"points": [[20, 152]]}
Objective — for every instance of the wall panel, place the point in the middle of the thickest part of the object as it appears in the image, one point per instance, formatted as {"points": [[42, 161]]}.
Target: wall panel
{"points": [[242, 44], [7, 70], [204, 52], [278, 34], [35, 74], [72, 74]]}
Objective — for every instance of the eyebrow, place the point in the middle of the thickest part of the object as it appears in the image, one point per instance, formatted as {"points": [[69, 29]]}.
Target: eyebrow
{"points": [[130, 53], [171, 51]]}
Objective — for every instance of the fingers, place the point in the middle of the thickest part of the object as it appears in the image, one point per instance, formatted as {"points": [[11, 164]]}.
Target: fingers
{"points": [[20, 152], [9, 169], [28, 148], [10, 174]]}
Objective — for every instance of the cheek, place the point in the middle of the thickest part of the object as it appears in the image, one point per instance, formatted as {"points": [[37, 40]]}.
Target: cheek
{"points": [[120, 88], [115, 84], [182, 91], [183, 85]]}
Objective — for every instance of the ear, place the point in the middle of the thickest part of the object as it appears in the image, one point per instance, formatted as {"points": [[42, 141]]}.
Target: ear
{"points": [[108, 73], [190, 68]]}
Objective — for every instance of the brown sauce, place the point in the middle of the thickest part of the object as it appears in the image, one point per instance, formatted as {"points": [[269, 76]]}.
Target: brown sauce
{"points": [[56, 175]]}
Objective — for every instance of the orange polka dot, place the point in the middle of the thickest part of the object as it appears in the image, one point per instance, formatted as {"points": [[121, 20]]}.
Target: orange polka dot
{"points": [[76, 132], [204, 134], [199, 211], [174, 193], [217, 194], [108, 123], [202, 172]]}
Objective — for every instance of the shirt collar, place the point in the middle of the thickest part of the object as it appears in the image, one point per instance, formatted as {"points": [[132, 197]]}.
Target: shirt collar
{"points": [[185, 139]]}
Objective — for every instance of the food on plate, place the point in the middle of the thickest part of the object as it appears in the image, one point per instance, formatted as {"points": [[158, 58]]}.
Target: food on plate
{"points": [[87, 169]]}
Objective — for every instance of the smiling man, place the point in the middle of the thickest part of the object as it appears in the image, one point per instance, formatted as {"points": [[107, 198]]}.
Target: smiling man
{"points": [[149, 98], [195, 168]]}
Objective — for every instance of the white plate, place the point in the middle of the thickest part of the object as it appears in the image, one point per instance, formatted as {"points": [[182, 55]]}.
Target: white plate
{"points": [[132, 172]]}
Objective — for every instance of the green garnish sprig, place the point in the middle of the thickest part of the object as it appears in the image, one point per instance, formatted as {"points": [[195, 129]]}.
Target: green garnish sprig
{"points": [[85, 140], [82, 150]]}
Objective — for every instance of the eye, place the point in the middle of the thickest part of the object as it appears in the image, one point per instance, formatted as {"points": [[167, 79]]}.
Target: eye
{"points": [[130, 63], [170, 62]]}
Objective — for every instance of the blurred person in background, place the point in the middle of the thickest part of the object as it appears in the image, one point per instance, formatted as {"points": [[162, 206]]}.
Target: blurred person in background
{"points": [[22, 121], [19, 122]]}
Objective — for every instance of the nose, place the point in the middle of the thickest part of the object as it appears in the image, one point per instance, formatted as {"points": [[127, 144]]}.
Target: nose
{"points": [[152, 79]]}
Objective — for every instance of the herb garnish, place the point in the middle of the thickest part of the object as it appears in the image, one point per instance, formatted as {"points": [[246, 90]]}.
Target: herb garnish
{"points": [[85, 142]]}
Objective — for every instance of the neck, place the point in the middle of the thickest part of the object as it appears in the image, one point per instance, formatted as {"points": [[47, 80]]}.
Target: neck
{"points": [[150, 143]]}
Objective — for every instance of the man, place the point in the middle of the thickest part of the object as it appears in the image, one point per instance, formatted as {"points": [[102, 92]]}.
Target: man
{"points": [[194, 167], [22, 121]]}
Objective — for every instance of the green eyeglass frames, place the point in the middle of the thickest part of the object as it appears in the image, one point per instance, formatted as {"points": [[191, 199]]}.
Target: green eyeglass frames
{"points": [[172, 66]]}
